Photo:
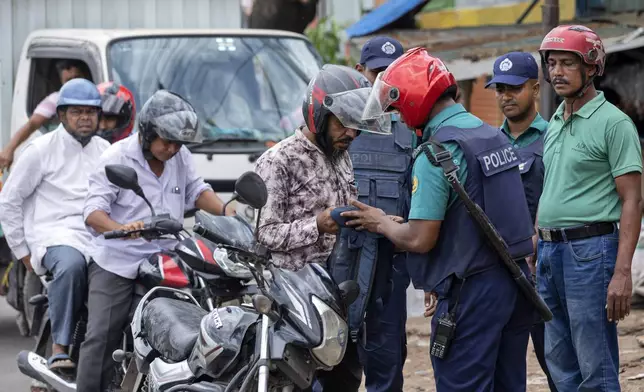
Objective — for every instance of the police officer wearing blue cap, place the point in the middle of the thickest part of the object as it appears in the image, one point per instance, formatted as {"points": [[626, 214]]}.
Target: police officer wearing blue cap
{"points": [[515, 79], [384, 183]]}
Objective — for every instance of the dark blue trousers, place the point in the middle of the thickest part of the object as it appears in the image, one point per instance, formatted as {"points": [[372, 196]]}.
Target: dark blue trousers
{"points": [[493, 322], [385, 349]]}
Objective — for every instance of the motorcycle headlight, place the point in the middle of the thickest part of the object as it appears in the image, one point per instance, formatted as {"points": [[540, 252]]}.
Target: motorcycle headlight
{"points": [[334, 335], [235, 270]]}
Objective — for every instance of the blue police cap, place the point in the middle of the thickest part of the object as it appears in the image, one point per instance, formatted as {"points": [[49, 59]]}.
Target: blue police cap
{"points": [[514, 68], [380, 52]]}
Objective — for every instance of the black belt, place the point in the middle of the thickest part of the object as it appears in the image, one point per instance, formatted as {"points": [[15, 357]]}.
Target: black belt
{"points": [[577, 233]]}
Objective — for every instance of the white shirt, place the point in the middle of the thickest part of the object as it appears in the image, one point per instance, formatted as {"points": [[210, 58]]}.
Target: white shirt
{"points": [[41, 204], [47, 107], [175, 191]]}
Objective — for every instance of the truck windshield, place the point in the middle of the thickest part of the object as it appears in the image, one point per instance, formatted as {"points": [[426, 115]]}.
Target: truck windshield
{"points": [[243, 88]]}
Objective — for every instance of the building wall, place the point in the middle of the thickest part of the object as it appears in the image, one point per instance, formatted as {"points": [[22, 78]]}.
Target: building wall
{"points": [[483, 103], [462, 13]]}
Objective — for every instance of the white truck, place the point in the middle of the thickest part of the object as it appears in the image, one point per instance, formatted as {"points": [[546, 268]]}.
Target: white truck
{"points": [[246, 85]]}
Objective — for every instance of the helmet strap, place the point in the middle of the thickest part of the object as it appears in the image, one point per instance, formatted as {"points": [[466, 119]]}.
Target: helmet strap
{"points": [[146, 142], [83, 140], [584, 87]]}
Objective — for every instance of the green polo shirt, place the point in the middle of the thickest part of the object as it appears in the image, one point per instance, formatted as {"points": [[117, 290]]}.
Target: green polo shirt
{"points": [[582, 157], [531, 135], [431, 193]]}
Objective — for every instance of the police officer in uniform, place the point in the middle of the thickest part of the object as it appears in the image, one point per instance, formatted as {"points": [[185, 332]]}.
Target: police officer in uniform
{"points": [[382, 165], [516, 83], [484, 319]]}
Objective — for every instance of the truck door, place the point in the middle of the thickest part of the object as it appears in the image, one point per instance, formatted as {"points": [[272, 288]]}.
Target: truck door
{"points": [[43, 54]]}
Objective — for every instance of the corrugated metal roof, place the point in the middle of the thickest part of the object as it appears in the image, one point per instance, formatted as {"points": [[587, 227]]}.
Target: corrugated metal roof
{"points": [[470, 52]]}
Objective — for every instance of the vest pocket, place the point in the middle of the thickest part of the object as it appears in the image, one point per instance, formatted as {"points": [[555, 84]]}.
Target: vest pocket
{"points": [[363, 187], [387, 195]]}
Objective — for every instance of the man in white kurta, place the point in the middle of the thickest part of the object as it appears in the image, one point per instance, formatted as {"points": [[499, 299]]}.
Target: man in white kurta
{"points": [[41, 208]]}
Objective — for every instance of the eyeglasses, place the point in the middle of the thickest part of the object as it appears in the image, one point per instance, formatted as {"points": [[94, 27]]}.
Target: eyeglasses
{"points": [[78, 112]]}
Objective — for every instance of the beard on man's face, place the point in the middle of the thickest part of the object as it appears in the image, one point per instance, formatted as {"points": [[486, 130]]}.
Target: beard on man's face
{"points": [[333, 149]]}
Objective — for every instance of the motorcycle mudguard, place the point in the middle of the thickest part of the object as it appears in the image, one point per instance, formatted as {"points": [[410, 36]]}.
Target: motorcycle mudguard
{"points": [[35, 367]]}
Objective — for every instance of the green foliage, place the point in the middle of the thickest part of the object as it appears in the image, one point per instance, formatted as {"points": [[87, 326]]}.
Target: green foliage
{"points": [[325, 36]]}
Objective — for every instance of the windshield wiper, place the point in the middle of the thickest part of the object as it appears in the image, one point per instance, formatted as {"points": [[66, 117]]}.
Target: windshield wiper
{"points": [[235, 145], [210, 142]]}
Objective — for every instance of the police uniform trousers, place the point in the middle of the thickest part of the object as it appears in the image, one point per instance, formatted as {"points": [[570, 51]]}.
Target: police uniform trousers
{"points": [[493, 322], [384, 351]]}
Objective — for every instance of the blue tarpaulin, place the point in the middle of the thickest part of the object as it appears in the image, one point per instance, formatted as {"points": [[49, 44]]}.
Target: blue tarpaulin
{"points": [[383, 16]]}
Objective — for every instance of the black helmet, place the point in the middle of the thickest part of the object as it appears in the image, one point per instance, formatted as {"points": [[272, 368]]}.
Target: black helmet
{"points": [[331, 79], [169, 116]]}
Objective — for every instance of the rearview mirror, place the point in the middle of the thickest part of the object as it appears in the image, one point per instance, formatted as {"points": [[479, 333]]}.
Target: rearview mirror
{"points": [[251, 188], [126, 178], [123, 177]]}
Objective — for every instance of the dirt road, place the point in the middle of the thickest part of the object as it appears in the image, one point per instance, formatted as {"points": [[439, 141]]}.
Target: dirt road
{"points": [[419, 375]]}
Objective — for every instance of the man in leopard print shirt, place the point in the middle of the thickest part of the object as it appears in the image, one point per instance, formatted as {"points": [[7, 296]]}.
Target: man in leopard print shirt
{"points": [[304, 183], [308, 175]]}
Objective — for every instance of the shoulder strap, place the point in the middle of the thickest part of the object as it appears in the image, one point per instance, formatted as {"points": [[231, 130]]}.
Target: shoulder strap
{"points": [[443, 158]]}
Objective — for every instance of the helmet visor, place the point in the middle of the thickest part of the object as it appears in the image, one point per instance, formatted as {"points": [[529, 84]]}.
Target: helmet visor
{"points": [[112, 105], [381, 97], [179, 127], [348, 107]]}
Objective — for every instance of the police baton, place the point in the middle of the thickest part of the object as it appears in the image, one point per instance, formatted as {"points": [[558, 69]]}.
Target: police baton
{"points": [[444, 158]]}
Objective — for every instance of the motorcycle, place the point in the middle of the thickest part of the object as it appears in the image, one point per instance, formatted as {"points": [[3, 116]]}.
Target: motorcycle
{"points": [[227, 282], [295, 326]]}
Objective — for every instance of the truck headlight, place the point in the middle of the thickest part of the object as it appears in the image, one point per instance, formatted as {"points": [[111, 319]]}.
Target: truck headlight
{"points": [[335, 333]]}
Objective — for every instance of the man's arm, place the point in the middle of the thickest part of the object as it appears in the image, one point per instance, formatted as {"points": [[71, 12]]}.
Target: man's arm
{"points": [[35, 122], [418, 236], [625, 158], [274, 231], [98, 203], [198, 193], [22, 182]]}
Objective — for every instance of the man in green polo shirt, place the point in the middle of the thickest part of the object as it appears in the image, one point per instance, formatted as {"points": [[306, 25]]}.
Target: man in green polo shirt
{"points": [[516, 83], [588, 218]]}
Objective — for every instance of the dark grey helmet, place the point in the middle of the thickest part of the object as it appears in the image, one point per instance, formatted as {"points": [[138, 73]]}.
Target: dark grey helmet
{"points": [[169, 116]]}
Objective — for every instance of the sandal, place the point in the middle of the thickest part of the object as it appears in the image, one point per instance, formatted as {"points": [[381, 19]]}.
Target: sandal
{"points": [[60, 361]]}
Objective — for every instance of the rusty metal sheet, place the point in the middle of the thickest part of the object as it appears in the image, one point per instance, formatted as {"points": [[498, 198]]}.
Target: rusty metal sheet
{"points": [[476, 44]]}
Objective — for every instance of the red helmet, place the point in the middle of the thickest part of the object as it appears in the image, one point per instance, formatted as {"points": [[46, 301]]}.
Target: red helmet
{"points": [[412, 84], [577, 39], [117, 101]]}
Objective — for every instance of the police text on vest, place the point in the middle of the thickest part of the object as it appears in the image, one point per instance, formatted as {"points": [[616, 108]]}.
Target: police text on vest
{"points": [[498, 160]]}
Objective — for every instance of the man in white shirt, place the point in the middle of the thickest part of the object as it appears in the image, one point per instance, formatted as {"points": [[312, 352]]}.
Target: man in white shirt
{"points": [[167, 176], [41, 207]]}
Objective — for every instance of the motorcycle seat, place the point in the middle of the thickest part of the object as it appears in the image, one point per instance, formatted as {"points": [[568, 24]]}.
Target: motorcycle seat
{"points": [[172, 327]]}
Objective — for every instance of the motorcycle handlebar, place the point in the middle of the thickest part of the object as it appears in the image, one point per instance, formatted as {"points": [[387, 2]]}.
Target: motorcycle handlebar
{"points": [[109, 235], [158, 227]]}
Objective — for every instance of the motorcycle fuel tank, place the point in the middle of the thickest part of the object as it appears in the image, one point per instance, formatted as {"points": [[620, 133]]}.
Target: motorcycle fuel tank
{"points": [[164, 269], [293, 289], [228, 230], [221, 338]]}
